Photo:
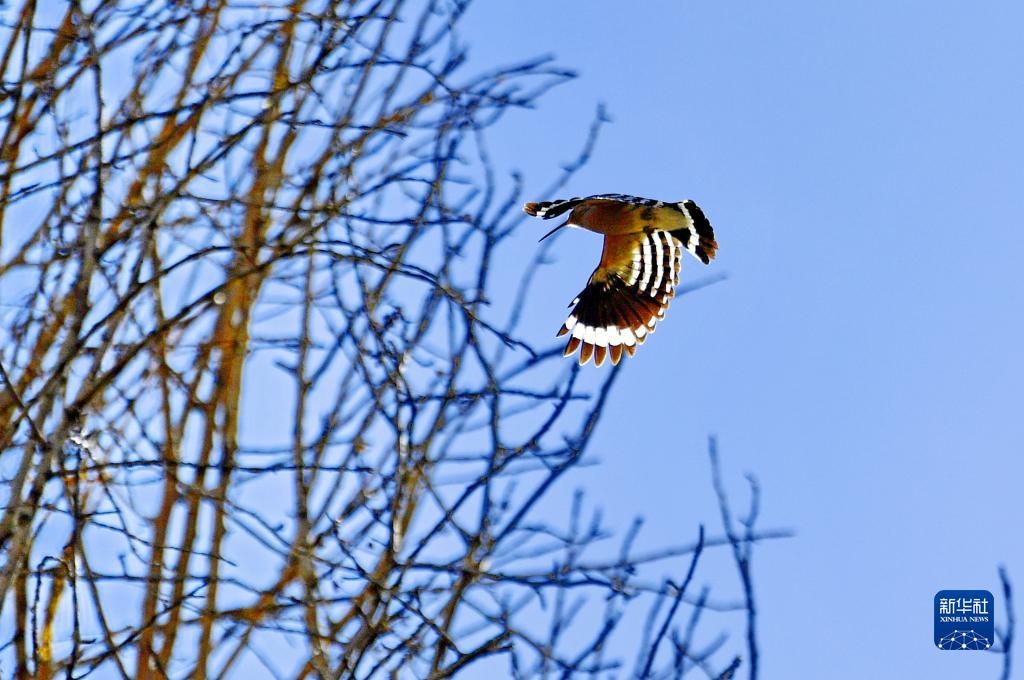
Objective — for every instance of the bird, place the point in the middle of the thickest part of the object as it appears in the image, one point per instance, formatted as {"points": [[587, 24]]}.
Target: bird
{"points": [[630, 290]]}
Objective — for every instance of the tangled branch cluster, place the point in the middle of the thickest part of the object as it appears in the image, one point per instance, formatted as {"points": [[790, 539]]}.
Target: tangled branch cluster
{"points": [[256, 415]]}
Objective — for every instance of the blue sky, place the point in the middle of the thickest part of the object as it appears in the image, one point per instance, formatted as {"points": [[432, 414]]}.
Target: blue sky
{"points": [[862, 165]]}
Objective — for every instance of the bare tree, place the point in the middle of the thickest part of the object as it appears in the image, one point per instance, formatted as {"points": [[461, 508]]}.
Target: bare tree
{"points": [[256, 411]]}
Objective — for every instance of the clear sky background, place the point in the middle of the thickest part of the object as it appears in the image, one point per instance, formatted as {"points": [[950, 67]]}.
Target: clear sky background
{"points": [[863, 166]]}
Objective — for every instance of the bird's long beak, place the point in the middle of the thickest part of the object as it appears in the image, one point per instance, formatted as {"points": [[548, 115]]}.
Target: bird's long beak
{"points": [[563, 224]]}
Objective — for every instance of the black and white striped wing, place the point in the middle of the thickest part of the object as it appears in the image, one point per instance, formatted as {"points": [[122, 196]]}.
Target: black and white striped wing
{"points": [[626, 296]]}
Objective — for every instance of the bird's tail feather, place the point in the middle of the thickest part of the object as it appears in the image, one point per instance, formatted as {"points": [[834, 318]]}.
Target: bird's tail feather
{"points": [[697, 237]]}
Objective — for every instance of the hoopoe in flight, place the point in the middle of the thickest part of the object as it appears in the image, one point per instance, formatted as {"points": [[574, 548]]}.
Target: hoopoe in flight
{"points": [[639, 269]]}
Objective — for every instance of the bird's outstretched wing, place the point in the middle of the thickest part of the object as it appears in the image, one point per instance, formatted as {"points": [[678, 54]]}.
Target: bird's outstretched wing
{"points": [[626, 296]]}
